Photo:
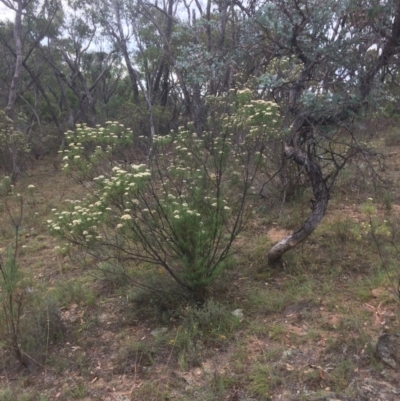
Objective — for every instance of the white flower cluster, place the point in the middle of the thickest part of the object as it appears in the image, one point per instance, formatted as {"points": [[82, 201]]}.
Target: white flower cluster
{"points": [[184, 197], [104, 139]]}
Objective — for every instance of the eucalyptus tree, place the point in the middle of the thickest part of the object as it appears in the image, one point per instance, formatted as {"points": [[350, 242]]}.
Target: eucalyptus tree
{"points": [[40, 15], [129, 27], [18, 6], [7, 61], [31, 24], [335, 54], [79, 65], [203, 51], [213, 54], [153, 27], [114, 16], [155, 47], [109, 74]]}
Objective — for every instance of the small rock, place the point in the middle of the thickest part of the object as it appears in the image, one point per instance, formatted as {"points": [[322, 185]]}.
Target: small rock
{"points": [[374, 390], [238, 313], [388, 349], [324, 396]]}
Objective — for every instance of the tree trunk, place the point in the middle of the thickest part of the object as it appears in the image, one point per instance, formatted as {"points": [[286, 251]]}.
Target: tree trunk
{"points": [[198, 110], [12, 96], [121, 41], [321, 194], [305, 159]]}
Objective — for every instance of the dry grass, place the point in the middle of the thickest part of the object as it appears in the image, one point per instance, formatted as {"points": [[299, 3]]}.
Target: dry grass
{"points": [[306, 328]]}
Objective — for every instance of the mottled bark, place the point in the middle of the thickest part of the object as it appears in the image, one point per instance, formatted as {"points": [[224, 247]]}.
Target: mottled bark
{"points": [[12, 95], [321, 195]]}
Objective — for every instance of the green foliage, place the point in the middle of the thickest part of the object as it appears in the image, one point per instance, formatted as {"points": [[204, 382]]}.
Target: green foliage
{"points": [[77, 392], [87, 148], [155, 307], [392, 138], [264, 378], [5, 185], [200, 328], [73, 291], [213, 321], [388, 200], [114, 273], [12, 301], [13, 146], [182, 209], [16, 393], [7, 395], [29, 324], [341, 375], [345, 230]]}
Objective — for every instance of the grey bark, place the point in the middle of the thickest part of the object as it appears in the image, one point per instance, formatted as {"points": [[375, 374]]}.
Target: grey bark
{"points": [[321, 194], [121, 41], [305, 124], [12, 95]]}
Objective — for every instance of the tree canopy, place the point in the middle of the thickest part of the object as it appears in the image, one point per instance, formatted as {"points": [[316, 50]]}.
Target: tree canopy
{"points": [[152, 65]]}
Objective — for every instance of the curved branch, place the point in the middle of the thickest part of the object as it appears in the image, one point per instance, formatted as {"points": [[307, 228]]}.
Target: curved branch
{"points": [[321, 194]]}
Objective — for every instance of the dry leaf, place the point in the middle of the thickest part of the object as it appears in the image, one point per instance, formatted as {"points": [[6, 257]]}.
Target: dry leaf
{"points": [[289, 367]]}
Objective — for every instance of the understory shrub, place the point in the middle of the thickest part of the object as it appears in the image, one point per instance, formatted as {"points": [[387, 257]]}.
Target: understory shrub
{"points": [[29, 323], [14, 147], [210, 325], [12, 300], [183, 207]]}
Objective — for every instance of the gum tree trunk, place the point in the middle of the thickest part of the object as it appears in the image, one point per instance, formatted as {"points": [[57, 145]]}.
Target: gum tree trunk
{"points": [[12, 95], [304, 126], [321, 195]]}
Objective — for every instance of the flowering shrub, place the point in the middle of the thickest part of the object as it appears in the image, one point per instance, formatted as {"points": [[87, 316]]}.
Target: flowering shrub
{"points": [[182, 208], [88, 149]]}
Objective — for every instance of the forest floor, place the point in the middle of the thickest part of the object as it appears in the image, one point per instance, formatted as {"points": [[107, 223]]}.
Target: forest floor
{"points": [[304, 330]]}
